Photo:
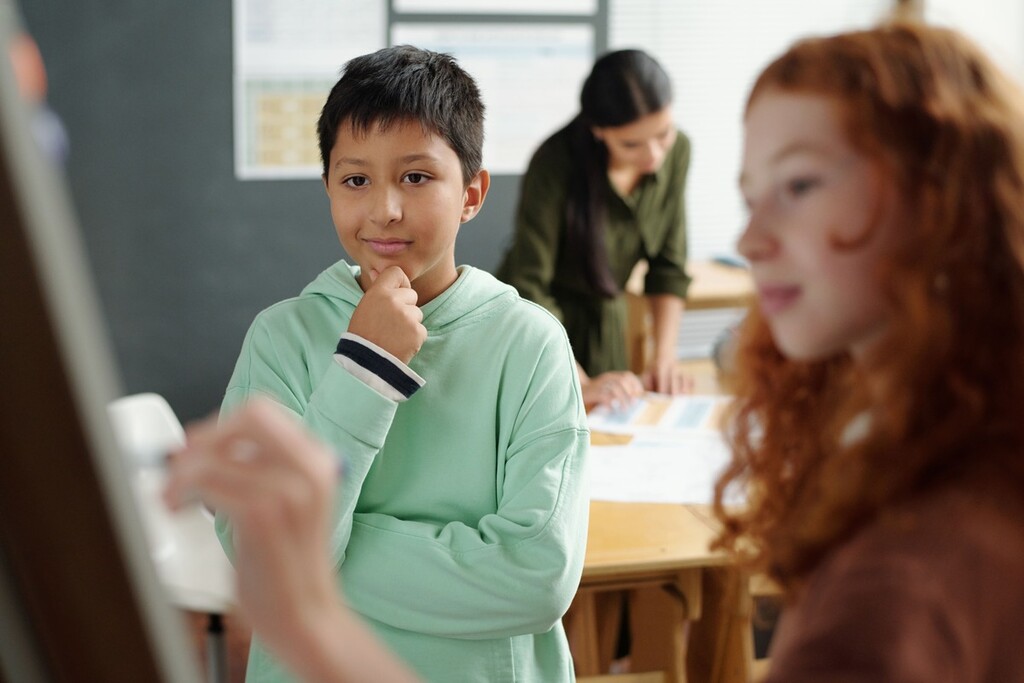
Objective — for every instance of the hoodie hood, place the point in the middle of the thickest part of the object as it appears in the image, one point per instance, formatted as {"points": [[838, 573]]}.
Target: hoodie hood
{"points": [[475, 293]]}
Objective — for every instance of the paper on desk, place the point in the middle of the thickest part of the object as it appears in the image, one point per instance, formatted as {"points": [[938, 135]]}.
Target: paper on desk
{"points": [[657, 468], [661, 414]]}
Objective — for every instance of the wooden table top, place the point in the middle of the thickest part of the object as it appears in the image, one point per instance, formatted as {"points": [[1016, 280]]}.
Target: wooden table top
{"points": [[713, 286], [639, 537], [717, 286]]}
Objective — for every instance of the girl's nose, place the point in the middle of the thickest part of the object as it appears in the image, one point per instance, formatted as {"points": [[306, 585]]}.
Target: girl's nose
{"points": [[756, 242]]}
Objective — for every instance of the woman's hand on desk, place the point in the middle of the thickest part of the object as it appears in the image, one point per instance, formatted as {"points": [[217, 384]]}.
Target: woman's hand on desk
{"points": [[610, 388], [666, 377]]}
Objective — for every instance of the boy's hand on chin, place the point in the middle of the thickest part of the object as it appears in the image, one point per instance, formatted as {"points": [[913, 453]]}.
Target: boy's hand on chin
{"points": [[388, 315]]}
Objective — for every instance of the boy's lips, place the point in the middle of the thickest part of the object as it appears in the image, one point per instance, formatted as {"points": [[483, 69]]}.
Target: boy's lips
{"points": [[776, 298], [387, 247]]}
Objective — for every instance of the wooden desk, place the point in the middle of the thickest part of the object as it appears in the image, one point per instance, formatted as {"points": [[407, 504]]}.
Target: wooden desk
{"points": [[690, 611], [713, 286], [718, 286]]}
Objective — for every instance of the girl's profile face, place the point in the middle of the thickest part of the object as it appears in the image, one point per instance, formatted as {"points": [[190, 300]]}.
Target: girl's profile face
{"points": [[821, 215], [642, 145]]}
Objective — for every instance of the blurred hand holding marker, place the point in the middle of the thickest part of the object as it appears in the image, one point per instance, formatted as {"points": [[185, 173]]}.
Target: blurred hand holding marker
{"points": [[254, 445], [276, 483]]}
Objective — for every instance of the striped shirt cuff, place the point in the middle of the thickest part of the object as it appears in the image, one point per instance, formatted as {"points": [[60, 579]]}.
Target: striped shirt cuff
{"points": [[377, 368]]}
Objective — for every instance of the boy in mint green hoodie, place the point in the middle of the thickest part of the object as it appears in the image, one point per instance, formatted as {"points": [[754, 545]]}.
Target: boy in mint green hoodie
{"points": [[461, 524]]}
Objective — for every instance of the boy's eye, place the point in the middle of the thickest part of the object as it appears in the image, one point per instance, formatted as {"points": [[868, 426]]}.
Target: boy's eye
{"points": [[355, 181], [415, 178]]}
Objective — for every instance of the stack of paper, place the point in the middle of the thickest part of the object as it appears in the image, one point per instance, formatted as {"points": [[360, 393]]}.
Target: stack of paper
{"points": [[674, 456]]}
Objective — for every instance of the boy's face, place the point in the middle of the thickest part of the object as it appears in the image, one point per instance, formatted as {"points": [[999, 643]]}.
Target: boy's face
{"points": [[397, 199]]}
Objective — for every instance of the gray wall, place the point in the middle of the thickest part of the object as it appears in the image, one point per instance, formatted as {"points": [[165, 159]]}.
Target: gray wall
{"points": [[184, 254]]}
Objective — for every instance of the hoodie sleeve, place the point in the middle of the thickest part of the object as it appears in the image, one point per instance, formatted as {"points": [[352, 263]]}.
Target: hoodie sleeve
{"points": [[515, 570], [266, 369]]}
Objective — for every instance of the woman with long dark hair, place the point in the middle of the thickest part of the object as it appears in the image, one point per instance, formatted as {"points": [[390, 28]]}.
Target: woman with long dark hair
{"points": [[601, 194]]}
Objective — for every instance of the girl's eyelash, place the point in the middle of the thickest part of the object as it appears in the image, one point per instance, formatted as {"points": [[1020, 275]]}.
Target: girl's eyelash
{"points": [[800, 185]]}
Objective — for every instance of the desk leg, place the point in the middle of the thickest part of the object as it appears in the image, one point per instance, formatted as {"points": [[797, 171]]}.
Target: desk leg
{"points": [[660, 620], [658, 627], [721, 645], [592, 627]]}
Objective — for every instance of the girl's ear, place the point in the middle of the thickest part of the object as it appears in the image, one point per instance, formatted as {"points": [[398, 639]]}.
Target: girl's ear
{"points": [[598, 133], [473, 197]]}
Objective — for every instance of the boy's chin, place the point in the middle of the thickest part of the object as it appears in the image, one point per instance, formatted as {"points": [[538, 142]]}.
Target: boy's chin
{"points": [[369, 272]]}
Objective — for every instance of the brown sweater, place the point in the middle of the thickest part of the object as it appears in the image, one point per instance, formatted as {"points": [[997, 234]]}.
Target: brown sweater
{"points": [[934, 593]]}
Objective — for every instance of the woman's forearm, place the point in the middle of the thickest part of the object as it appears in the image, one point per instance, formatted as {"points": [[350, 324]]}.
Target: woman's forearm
{"points": [[666, 316]]}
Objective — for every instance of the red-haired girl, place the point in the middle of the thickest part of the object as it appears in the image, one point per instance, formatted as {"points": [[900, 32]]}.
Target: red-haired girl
{"points": [[878, 426]]}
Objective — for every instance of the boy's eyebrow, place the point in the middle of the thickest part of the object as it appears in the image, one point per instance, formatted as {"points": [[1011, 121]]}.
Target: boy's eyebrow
{"points": [[408, 158]]}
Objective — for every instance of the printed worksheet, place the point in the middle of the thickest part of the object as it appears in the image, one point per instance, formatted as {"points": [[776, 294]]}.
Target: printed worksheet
{"points": [[662, 414], [653, 468]]}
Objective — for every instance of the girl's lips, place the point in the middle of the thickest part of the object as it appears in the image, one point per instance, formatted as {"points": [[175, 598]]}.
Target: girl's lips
{"points": [[387, 247], [776, 298]]}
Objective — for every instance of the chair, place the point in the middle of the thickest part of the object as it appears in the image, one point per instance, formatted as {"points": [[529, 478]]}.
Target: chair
{"points": [[189, 559]]}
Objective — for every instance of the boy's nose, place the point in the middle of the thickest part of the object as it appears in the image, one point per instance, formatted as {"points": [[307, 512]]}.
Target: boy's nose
{"points": [[387, 206]]}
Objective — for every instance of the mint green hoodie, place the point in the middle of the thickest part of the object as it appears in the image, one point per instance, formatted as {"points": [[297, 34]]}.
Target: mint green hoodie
{"points": [[462, 518]]}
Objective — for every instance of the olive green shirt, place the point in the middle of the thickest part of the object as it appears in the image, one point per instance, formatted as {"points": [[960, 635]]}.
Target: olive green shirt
{"points": [[648, 224]]}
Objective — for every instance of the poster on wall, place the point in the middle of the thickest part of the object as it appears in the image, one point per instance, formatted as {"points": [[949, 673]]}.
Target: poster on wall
{"points": [[529, 76], [287, 55]]}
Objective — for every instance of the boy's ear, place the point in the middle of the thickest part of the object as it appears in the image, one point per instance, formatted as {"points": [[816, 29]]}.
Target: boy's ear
{"points": [[323, 177], [473, 197]]}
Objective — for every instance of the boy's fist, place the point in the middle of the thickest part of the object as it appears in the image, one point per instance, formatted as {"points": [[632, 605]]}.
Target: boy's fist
{"points": [[388, 315]]}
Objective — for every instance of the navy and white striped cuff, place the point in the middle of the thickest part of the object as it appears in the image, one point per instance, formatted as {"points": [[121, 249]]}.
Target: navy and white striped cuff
{"points": [[377, 368]]}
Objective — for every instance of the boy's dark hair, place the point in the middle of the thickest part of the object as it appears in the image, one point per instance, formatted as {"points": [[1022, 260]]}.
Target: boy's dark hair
{"points": [[400, 83]]}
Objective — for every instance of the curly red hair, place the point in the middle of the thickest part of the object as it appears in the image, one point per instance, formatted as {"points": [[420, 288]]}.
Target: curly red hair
{"points": [[943, 395]]}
